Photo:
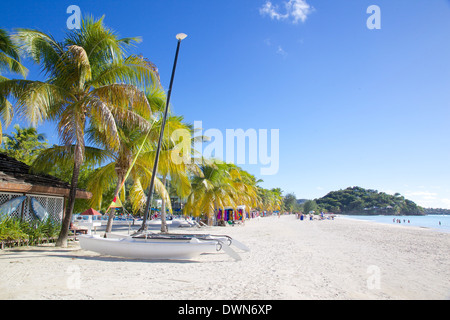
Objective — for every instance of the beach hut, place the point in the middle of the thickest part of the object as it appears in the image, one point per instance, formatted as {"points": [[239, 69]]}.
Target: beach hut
{"points": [[18, 182]]}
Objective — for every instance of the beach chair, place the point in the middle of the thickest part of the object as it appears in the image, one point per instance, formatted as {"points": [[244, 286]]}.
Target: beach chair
{"points": [[76, 229]]}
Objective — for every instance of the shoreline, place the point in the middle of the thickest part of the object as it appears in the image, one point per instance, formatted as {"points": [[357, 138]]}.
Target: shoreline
{"points": [[289, 260], [403, 224]]}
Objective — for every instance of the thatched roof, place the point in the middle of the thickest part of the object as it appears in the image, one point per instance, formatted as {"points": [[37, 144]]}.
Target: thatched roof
{"points": [[15, 176]]}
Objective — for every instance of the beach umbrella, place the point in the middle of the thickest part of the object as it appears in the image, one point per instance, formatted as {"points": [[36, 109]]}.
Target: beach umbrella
{"points": [[91, 212]]}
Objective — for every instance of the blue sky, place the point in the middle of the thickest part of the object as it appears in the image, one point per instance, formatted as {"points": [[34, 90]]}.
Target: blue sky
{"points": [[354, 106]]}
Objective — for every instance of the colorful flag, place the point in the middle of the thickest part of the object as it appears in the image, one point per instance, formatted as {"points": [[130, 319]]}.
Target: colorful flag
{"points": [[116, 203]]}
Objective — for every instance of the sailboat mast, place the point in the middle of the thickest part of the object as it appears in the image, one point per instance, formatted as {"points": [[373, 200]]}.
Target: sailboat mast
{"points": [[180, 37]]}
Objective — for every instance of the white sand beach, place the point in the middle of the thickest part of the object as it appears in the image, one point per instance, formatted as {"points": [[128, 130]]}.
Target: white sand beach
{"points": [[289, 259]]}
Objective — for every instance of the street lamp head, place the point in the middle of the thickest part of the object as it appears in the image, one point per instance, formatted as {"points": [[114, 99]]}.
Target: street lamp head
{"points": [[181, 36]]}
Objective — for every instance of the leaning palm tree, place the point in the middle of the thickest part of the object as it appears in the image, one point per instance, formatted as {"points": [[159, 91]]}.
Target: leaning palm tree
{"points": [[134, 157], [211, 190], [88, 78], [271, 200], [221, 185], [130, 160], [176, 169], [246, 186], [9, 63]]}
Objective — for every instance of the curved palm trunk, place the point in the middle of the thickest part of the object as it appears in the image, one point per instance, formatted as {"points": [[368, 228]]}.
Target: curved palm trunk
{"points": [[164, 228], [210, 218], [112, 211], [120, 176], [78, 161]]}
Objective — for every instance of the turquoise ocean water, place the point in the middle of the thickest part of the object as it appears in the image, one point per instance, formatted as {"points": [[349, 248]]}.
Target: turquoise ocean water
{"points": [[430, 221]]}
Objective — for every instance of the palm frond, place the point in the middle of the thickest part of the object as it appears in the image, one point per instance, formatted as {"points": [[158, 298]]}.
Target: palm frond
{"points": [[73, 68], [132, 70], [63, 156], [34, 99], [137, 196], [71, 124], [100, 42], [42, 48], [126, 102], [124, 96], [102, 115], [101, 180], [6, 114], [144, 174], [8, 64], [9, 55]]}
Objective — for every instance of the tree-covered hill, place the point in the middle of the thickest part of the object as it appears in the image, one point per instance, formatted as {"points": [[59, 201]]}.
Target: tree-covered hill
{"points": [[360, 201]]}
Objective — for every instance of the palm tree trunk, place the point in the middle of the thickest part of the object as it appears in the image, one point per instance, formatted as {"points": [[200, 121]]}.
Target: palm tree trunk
{"points": [[210, 218], [64, 233], [112, 211], [163, 211]]}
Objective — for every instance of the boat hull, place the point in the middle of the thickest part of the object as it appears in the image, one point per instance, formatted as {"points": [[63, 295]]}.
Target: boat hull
{"points": [[223, 239], [148, 250]]}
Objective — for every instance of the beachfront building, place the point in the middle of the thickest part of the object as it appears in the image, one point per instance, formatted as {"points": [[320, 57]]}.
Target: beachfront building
{"points": [[16, 181]]}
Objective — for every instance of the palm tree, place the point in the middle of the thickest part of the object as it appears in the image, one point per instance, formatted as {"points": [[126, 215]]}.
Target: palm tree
{"points": [[9, 62], [246, 185], [220, 185], [136, 155], [178, 171], [24, 144], [115, 172], [271, 200], [88, 79], [211, 190]]}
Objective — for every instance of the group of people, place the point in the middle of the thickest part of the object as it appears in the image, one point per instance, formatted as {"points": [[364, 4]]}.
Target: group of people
{"points": [[399, 220], [404, 221], [322, 216]]}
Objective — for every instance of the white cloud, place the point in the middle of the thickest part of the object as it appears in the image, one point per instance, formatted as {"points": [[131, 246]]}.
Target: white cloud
{"points": [[270, 10], [428, 199], [299, 9], [423, 194], [281, 52], [446, 203], [295, 10]]}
